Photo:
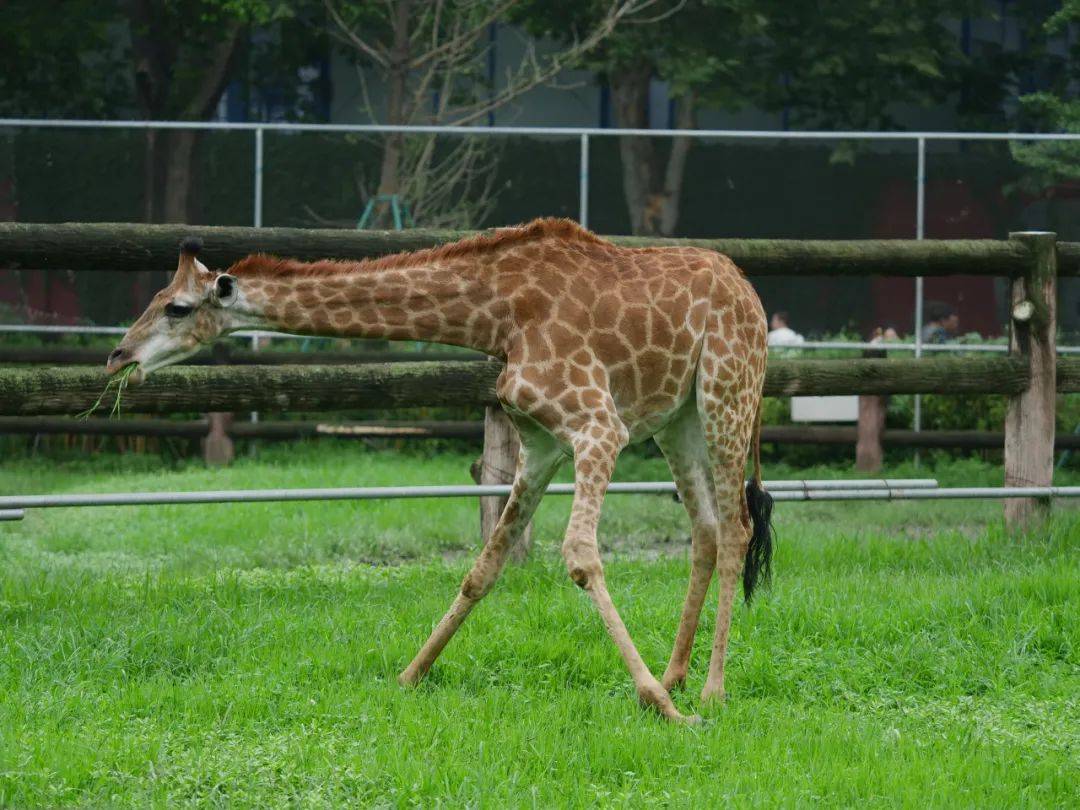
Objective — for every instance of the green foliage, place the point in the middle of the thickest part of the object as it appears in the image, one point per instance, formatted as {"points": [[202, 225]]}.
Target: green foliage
{"points": [[699, 46], [847, 64], [59, 59], [833, 64], [1055, 109], [1048, 163], [75, 59]]}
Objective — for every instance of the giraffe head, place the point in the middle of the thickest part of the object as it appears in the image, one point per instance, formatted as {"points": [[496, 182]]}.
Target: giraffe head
{"points": [[192, 311]]}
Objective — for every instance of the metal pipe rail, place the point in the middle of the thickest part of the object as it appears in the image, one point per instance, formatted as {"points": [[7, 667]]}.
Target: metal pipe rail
{"points": [[999, 348], [782, 491], [425, 129], [451, 491], [944, 493]]}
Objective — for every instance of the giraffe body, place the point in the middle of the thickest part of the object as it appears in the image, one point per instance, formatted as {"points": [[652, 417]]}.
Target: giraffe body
{"points": [[603, 346]]}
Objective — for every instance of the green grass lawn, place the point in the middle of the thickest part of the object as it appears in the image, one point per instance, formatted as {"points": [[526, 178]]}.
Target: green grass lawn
{"points": [[909, 654]]}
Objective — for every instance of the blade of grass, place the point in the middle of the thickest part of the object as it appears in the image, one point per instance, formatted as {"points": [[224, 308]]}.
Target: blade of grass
{"points": [[120, 380]]}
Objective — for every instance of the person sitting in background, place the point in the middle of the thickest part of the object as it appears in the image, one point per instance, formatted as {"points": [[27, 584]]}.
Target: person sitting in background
{"points": [[780, 334], [942, 323], [885, 334]]}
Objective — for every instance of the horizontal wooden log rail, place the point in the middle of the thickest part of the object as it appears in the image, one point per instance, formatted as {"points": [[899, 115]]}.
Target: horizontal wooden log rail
{"points": [[200, 389], [1068, 258], [134, 247], [276, 430], [223, 354], [952, 375], [958, 439]]}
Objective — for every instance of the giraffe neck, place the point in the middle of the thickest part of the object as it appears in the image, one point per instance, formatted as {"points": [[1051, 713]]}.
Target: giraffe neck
{"points": [[444, 303]]}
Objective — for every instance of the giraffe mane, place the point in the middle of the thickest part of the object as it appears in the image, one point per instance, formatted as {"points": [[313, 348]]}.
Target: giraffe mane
{"points": [[548, 228]]}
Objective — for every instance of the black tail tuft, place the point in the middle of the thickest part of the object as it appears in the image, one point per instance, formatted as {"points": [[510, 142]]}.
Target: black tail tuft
{"points": [[758, 565]]}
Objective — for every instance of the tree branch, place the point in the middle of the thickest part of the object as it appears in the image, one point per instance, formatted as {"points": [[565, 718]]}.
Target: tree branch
{"points": [[346, 34]]}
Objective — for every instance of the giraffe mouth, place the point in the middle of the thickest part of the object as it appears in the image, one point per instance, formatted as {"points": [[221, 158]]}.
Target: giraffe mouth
{"points": [[132, 373], [137, 376]]}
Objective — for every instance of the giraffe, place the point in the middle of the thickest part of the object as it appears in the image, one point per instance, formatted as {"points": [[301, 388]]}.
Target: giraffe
{"points": [[602, 345]]}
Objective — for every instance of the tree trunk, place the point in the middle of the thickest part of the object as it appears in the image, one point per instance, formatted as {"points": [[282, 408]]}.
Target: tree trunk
{"points": [[652, 191], [394, 143], [168, 157], [179, 173], [151, 175], [630, 99], [676, 167]]}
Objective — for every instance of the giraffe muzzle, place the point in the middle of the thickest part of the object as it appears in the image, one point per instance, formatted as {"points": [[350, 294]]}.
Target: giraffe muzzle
{"points": [[119, 358]]}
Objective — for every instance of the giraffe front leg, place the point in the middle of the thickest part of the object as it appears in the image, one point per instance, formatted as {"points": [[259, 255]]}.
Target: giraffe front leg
{"points": [[540, 457], [593, 464]]}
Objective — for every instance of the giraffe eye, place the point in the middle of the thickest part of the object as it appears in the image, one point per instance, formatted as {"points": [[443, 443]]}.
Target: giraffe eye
{"points": [[177, 310]]}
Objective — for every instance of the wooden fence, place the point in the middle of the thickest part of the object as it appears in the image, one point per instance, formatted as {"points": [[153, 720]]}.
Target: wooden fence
{"points": [[1030, 375], [227, 355]]}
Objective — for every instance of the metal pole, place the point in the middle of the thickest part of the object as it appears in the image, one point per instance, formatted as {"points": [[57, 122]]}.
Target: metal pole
{"points": [[254, 348], [454, 491], [920, 227], [23, 502], [583, 182], [951, 493], [257, 218], [258, 177]]}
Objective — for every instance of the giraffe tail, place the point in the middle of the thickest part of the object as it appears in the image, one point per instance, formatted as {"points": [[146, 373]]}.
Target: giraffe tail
{"points": [[759, 503]]}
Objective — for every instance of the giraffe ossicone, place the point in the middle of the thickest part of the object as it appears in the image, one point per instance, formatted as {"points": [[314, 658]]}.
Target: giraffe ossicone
{"points": [[603, 346]]}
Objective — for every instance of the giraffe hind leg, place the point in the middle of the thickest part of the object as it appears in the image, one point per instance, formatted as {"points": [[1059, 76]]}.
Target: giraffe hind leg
{"points": [[728, 423], [594, 462], [683, 445]]}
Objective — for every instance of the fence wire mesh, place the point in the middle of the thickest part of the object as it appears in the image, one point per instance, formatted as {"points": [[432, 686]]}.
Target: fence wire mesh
{"points": [[786, 185]]}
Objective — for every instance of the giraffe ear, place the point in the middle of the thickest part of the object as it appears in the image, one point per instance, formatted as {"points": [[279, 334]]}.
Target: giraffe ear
{"points": [[224, 292]]}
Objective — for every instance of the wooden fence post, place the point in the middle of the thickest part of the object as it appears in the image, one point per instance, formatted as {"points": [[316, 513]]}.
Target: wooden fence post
{"points": [[218, 449], [497, 466], [1029, 421], [868, 452]]}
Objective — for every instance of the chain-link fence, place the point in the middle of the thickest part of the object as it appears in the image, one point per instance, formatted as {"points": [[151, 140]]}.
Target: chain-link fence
{"points": [[744, 184]]}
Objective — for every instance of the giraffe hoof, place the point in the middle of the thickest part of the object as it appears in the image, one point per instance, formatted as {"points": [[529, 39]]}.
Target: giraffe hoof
{"points": [[409, 677], [675, 716], [688, 719], [713, 697]]}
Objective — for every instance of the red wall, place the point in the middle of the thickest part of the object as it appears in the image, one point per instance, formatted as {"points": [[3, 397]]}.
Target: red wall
{"points": [[952, 212]]}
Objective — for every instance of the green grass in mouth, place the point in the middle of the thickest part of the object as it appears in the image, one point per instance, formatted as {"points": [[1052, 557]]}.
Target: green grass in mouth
{"points": [[119, 380]]}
